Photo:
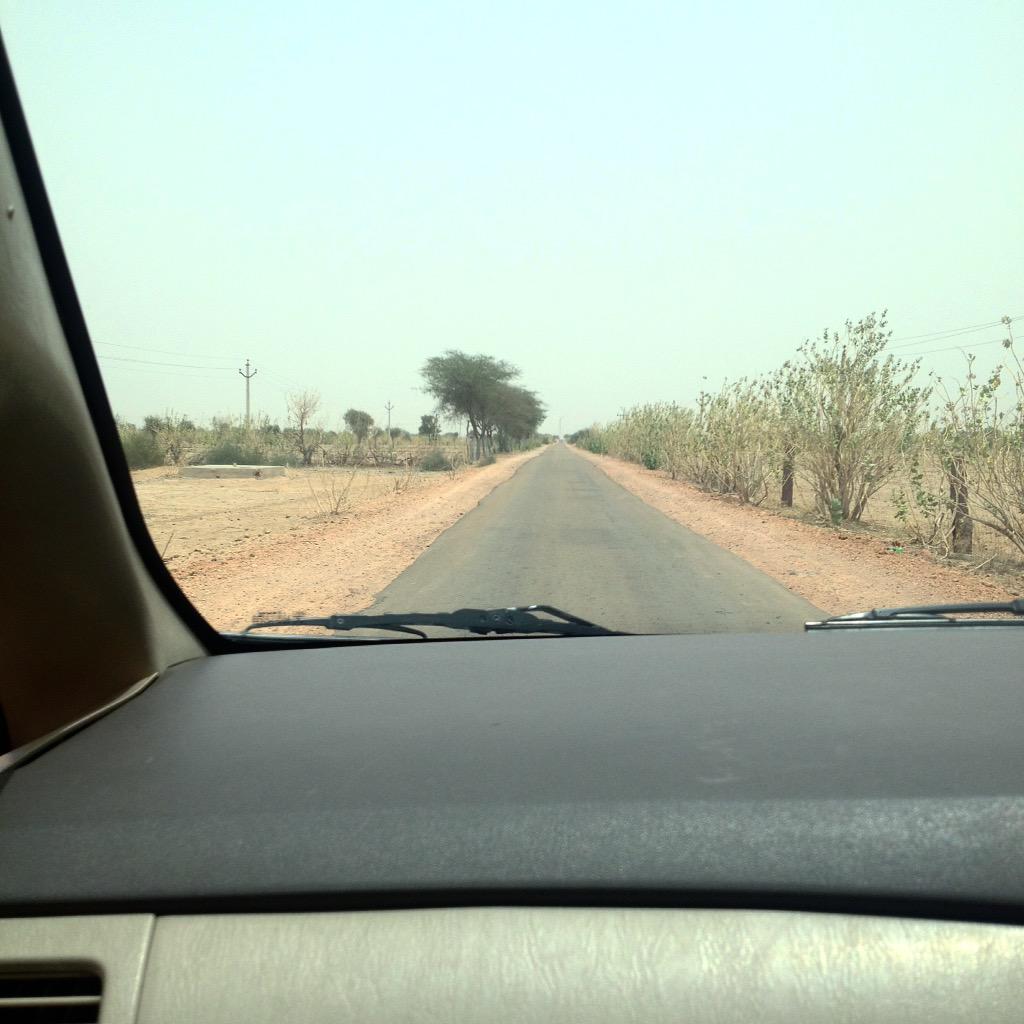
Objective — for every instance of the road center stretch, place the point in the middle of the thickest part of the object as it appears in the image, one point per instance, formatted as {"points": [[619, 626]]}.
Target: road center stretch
{"points": [[560, 532]]}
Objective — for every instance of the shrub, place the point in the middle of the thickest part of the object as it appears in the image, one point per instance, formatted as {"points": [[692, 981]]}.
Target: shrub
{"points": [[231, 452], [853, 414], [176, 435], [590, 439], [435, 461], [982, 443], [926, 515], [141, 448], [331, 493]]}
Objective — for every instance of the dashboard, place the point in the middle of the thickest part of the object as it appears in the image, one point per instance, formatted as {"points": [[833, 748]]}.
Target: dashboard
{"points": [[860, 765], [628, 828]]}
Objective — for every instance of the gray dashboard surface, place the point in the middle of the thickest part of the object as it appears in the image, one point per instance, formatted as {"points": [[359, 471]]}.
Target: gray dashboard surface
{"points": [[863, 764]]}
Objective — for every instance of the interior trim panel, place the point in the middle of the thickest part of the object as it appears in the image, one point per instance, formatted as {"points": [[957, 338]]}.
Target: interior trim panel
{"points": [[509, 965], [116, 945]]}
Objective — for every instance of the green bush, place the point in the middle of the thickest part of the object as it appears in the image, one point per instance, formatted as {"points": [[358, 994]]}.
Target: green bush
{"points": [[141, 449], [590, 439], [233, 453], [486, 460], [435, 461]]}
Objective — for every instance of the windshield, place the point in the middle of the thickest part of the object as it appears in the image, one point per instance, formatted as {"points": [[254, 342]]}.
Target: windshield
{"points": [[672, 318]]}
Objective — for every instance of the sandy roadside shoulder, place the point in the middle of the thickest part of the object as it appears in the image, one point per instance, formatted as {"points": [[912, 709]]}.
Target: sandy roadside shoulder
{"points": [[338, 566], [835, 571]]}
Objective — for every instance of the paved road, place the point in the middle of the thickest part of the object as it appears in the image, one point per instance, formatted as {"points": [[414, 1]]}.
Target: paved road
{"points": [[560, 532]]}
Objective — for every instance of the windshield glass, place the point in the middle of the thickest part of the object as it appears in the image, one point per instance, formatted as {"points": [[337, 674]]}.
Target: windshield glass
{"points": [[674, 318]]}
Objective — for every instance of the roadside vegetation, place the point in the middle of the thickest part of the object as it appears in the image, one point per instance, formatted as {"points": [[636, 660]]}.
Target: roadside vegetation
{"points": [[474, 390], [850, 426], [501, 416]]}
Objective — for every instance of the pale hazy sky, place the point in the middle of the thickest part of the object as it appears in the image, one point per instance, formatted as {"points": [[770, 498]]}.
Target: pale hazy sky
{"points": [[619, 198]]}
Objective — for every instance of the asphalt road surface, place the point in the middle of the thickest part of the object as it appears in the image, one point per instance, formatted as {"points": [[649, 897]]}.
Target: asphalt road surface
{"points": [[560, 532]]}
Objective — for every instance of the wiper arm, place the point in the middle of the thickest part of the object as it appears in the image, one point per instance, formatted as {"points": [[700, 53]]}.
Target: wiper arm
{"points": [[925, 615], [480, 621]]}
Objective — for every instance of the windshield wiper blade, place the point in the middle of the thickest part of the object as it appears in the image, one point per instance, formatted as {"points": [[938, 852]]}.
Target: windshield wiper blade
{"points": [[481, 621], [926, 615]]}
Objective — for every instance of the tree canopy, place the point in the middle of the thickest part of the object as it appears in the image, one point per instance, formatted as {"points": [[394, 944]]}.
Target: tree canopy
{"points": [[516, 415], [479, 388], [466, 385], [429, 427], [359, 422]]}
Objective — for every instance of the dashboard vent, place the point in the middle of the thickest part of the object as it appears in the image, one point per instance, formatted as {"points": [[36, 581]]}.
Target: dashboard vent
{"points": [[35, 995]]}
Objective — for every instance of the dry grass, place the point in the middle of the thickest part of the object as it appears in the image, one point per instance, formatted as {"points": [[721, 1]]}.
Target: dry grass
{"points": [[189, 518], [880, 517], [241, 547]]}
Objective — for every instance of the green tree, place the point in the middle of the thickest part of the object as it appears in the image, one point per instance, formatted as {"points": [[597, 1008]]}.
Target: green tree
{"points": [[360, 423], [515, 416], [468, 385], [429, 428]]}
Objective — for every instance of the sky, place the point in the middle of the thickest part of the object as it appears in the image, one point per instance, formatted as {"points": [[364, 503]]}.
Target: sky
{"points": [[629, 201]]}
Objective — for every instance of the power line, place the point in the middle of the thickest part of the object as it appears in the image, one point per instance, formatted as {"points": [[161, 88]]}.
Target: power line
{"points": [[162, 351], [911, 340], [153, 362], [948, 330], [282, 380], [961, 348], [164, 373]]}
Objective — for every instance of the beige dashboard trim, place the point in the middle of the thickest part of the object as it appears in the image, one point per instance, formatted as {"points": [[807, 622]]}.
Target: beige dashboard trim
{"points": [[502, 965], [117, 945]]}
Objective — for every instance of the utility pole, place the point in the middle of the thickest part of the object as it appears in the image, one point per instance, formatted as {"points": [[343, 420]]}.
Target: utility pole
{"points": [[248, 377], [389, 407]]}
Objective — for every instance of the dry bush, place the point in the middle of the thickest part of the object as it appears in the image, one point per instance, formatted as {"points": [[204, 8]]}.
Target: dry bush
{"points": [[405, 479], [736, 441], [678, 441], [985, 436], [176, 435], [305, 437], [728, 444], [851, 418], [456, 462], [925, 513], [331, 493], [851, 413]]}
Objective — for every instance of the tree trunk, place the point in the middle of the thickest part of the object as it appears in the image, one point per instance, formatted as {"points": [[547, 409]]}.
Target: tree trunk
{"points": [[787, 476], [963, 525]]}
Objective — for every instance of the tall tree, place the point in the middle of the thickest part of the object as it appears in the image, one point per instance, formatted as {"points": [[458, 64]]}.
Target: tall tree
{"points": [[467, 385], [359, 422]]}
